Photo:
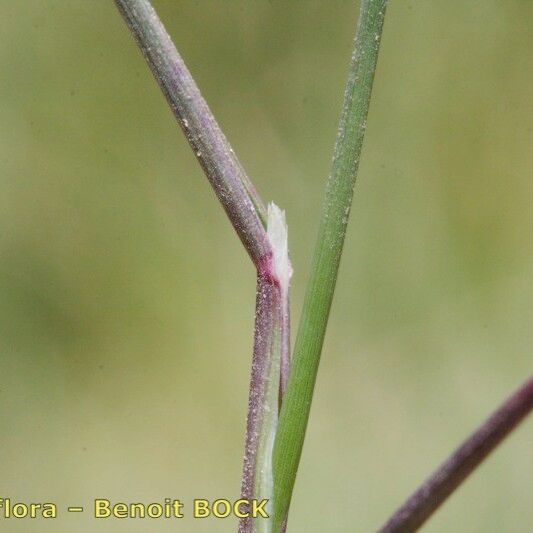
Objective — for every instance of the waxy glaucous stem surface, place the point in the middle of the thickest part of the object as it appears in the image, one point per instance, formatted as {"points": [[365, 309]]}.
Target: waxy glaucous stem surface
{"points": [[434, 491], [319, 294]]}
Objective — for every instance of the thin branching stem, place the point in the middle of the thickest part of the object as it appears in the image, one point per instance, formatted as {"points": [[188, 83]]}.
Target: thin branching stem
{"points": [[319, 294], [232, 186], [436, 489], [267, 246]]}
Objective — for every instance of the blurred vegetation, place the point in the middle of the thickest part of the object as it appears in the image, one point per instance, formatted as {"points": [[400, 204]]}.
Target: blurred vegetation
{"points": [[126, 302]]}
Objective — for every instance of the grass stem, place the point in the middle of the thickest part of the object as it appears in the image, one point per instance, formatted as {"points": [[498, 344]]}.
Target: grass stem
{"points": [[436, 489], [232, 186], [319, 294], [263, 234]]}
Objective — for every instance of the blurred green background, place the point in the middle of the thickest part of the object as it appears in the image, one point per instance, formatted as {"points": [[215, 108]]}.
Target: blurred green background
{"points": [[126, 301]]}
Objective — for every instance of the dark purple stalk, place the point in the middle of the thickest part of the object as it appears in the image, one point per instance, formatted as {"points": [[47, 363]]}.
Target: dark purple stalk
{"points": [[434, 491], [232, 186]]}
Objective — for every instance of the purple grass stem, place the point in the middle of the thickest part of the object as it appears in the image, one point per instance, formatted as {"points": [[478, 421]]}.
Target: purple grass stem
{"points": [[436, 489]]}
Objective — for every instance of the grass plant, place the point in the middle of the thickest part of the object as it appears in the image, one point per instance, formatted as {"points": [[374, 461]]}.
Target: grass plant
{"points": [[281, 394]]}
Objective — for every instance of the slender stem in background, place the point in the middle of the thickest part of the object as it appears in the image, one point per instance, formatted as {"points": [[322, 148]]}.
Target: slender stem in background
{"points": [[297, 400], [434, 491], [232, 186]]}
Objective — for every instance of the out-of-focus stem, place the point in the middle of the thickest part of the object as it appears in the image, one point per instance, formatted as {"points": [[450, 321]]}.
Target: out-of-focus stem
{"points": [[232, 186], [434, 491]]}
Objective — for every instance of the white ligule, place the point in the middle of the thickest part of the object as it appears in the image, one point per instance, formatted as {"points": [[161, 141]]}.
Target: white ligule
{"points": [[277, 235]]}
